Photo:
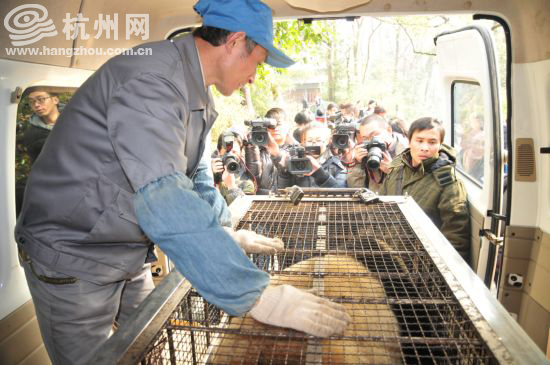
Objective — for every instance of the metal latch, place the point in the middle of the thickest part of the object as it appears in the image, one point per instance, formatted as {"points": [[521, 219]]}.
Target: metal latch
{"points": [[366, 196], [16, 95], [295, 193], [491, 237]]}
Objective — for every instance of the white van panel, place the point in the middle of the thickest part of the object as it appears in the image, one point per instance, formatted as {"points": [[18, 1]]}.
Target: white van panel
{"points": [[13, 287], [531, 119], [462, 56]]}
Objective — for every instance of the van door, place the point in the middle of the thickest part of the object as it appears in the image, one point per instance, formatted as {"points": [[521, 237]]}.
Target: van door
{"points": [[20, 337], [468, 77]]}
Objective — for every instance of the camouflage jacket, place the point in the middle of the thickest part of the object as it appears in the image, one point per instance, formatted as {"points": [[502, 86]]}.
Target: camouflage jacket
{"points": [[436, 189], [245, 186]]}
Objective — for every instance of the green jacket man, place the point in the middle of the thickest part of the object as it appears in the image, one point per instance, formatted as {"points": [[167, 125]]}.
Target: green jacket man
{"points": [[436, 189]]}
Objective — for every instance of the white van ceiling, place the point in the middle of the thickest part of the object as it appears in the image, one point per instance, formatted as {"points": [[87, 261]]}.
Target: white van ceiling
{"points": [[528, 19]]}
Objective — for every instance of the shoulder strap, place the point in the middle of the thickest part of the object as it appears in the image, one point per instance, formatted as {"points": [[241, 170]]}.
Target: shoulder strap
{"points": [[444, 176]]}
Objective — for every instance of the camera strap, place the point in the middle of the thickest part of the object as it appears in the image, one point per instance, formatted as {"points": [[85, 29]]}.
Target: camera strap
{"points": [[372, 176]]}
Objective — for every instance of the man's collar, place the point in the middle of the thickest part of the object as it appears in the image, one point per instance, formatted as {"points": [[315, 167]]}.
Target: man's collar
{"points": [[199, 95]]}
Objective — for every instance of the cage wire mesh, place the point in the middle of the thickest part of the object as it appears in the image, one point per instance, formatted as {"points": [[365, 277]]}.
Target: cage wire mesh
{"points": [[365, 257]]}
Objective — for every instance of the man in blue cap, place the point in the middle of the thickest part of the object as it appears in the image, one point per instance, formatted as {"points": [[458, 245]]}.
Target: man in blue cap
{"points": [[125, 166]]}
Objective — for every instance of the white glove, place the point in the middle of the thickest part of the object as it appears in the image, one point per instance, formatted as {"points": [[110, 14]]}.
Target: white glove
{"points": [[251, 242], [287, 306]]}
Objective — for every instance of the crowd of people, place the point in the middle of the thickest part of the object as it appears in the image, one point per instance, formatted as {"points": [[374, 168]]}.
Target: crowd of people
{"points": [[124, 170], [346, 146]]}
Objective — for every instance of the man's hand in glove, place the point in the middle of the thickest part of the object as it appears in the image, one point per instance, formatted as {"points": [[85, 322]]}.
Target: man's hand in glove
{"points": [[287, 306], [251, 242]]}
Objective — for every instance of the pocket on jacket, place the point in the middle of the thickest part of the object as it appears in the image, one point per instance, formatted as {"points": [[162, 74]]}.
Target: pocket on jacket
{"points": [[125, 206], [96, 198], [117, 223]]}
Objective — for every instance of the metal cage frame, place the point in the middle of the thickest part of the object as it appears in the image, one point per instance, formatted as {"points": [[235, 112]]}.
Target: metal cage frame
{"points": [[174, 307]]}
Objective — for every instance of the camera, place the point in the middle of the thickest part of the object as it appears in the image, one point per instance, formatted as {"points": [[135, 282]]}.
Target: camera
{"points": [[342, 134], [259, 134], [375, 149], [336, 117], [231, 162], [299, 164], [229, 159]]}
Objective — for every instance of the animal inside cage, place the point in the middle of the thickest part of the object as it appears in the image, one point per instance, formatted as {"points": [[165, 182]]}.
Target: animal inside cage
{"points": [[368, 258]]}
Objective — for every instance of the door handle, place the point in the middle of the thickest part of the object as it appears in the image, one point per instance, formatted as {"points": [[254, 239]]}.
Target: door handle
{"points": [[491, 237]]}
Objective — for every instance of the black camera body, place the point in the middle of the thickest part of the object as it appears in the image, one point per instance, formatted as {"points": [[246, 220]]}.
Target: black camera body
{"points": [[336, 117], [231, 163], [341, 135], [299, 164], [375, 148], [259, 134], [229, 159]]}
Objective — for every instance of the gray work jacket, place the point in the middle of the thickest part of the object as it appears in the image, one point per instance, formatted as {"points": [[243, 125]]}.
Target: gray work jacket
{"points": [[136, 119]]}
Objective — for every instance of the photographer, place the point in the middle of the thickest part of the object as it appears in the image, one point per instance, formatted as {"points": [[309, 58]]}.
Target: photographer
{"points": [[370, 107], [302, 120], [230, 172], [264, 162], [349, 112], [312, 164], [377, 128], [343, 141], [332, 109]]}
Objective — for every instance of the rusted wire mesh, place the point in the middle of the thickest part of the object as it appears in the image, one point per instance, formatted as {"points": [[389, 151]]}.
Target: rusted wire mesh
{"points": [[365, 257]]}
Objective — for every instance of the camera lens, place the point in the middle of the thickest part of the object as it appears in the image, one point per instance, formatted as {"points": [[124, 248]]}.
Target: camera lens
{"points": [[341, 141], [232, 166], [373, 163], [259, 138], [374, 157]]}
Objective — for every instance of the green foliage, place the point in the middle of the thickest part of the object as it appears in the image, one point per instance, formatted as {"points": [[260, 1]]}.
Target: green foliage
{"points": [[295, 39], [231, 112], [293, 36]]}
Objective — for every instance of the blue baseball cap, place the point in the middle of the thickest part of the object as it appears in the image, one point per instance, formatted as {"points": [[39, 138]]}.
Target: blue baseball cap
{"points": [[250, 16]]}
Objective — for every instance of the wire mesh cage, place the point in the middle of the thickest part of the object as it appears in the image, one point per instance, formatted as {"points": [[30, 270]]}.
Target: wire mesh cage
{"points": [[366, 257]]}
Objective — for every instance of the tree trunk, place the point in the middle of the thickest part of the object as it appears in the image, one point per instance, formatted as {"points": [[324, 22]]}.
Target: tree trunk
{"points": [[247, 100], [374, 29], [396, 61], [330, 72]]}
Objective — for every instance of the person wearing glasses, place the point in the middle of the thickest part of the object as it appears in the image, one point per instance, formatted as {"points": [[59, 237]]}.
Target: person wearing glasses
{"points": [[327, 170], [46, 109]]}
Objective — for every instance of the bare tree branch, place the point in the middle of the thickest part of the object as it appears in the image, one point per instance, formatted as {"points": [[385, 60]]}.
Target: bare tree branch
{"points": [[412, 43], [408, 36], [368, 49]]}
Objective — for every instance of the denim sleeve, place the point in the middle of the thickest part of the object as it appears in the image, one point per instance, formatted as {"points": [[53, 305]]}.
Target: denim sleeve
{"points": [[204, 186], [185, 227]]}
